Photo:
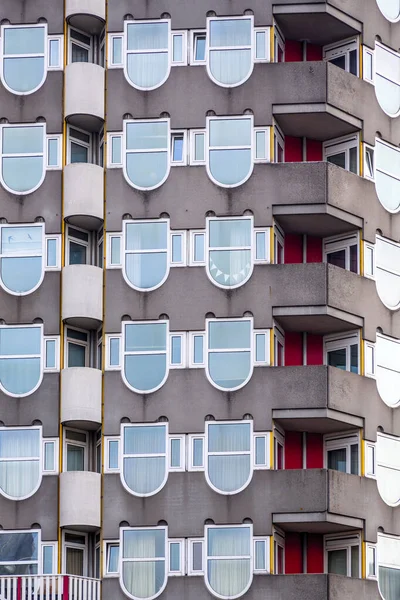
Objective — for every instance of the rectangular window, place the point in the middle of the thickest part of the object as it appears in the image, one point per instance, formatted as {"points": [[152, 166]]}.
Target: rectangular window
{"points": [[178, 350], [261, 144], [196, 350], [197, 147], [342, 351], [279, 245], [52, 354], [279, 552], [370, 459], [369, 169], [342, 251], [179, 48], [178, 148], [369, 260], [115, 51], [53, 253], [49, 554], [78, 247], [262, 245], [197, 248], [279, 45], [77, 347], [50, 456], [261, 450], [368, 64], [342, 555], [343, 152], [80, 46], [111, 559], [261, 554], [177, 453], [342, 453], [195, 556], [111, 454], [279, 347], [75, 450], [114, 150], [114, 251], [54, 145], [196, 453], [75, 551], [55, 53], [279, 447], [197, 47], [113, 346], [178, 249], [261, 347], [369, 359], [344, 55], [262, 44], [176, 557], [371, 567], [79, 148]]}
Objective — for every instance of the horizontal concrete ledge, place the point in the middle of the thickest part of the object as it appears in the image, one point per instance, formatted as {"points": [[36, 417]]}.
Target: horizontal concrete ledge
{"points": [[304, 521], [321, 107], [295, 9], [316, 319], [318, 413], [318, 209]]}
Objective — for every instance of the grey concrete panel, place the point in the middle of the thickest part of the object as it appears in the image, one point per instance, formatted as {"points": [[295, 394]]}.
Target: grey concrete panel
{"points": [[93, 8], [86, 308], [80, 500], [81, 397], [42, 405], [24, 11], [43, 304], [276, 587], [84, 92], [84, 194], [45, 203], [46, 102], [40, 509]]}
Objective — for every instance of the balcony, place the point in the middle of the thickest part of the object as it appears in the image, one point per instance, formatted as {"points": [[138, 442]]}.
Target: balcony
{"points": [[80, 500], [81, 397], [84, 195], [84, 95], [49, 587], [82, 296]]}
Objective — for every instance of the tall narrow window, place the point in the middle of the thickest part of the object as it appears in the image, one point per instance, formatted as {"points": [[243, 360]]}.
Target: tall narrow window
{"points": [[75, 550], [81, 46], [230, 50], [229, 362], [229, 568], [145, 367], [21, 361], [147, 153], [230, 154], [144, 462], [387, 272], [23, 57], [146, 264], [230, 260], [76, 450], [387, 175], [387, 79], [144, 561], [23, 165], [20, 461], [22, 257], [148, 62], [389, 566]]}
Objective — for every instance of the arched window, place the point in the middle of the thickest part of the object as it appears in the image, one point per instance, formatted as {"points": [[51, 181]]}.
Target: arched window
{"points": [[229, 569], [388, 468], [390, 9], [387, 272], [22, 258], [144, 463], [388, 369], [229, 462], [147, 153], [230, 52], [146, 355], [229, 363], [148, 62], [229, 159], [23, 163], [24, 57], [387, 79], [389, 566], [147, 253], [21, 362], [230, 251], [20, 461], [143, 554], [387, 175]]}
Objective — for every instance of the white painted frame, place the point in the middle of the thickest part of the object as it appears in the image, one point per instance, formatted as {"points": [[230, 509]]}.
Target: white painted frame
{"points": [[193, 35], [343, 341], [40, 254], [37, 459], [40, 356], [343, 542], [343, 48], [335, 243], [38, 561], [343, 145], [343, 440]]}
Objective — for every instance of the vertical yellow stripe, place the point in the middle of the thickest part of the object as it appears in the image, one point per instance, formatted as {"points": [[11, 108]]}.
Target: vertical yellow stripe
{"points": [[361, 63], [272, 144], [272, 43], [361, 145], [362, 357], [363, 559], [361, 246], [272, 449], [272, 348], [272, 561], [362, 455]]}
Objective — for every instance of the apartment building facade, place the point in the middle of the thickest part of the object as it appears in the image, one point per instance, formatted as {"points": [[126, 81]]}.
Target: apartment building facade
{"points": [[199, 299]]}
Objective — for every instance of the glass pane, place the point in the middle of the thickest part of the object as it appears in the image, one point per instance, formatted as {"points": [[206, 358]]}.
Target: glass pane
{"points": [[228, 541], [20, 443], [198, 452], [23, 74], [146, 337], [52, 152], [337, 258], [261, 454], [261, 151], [261, 243], [354, 160], [145, 372], [230, 132], [354, 459], [79, 53], [144, 136], [79, 154], [337, 562], [200, 47], [388, 94], [229, 369], [49, 456], [74, 561], [176, 453], [223, 437], [354, 358], [144, 543], [15, 547], [229, 473], [50, 354], [230, 32], [75, 458], [76, 355], [22, 174], [116, 150], [176, 350], [174, 557], [21, 240], [367, 66], [147, 169], [23, 140], [145, 440], [177, 243], [230, 267], [54, 57], [144, 475], [353, 58], [229, 334], [147, 70], [143, 579], [354, 259], [21, 274], [19, 375], [20, 340], [199, 247], [117, 51], [230, 67], [198, 354], [230, 167], [260, 557], [177, 54], [113, 559], [337, 460], [48, 560], [146, 271], [337, 358], [177, 148], [197, 555], [147, 36], [339, 61], [199, 150], [114, 352], [355, 561], [77, 254], [113, 451], [24, 40], [260, 347], [261, 45], [115, 251], [230, 233], [338, 159], [146, 236]]}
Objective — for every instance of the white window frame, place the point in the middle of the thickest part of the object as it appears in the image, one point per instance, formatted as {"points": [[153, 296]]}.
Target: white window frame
{"points": [[39, 459], [89, 47], [267, 335], [335, 243], [369, 359], [106, 545], [110, 63], [182, 557], [182, 453], [109, 239], [109, 337], [193, 35], [87, 244], [38, 561], [55, 442], [192, 363], [343, 145], [267, 441], [183, 235], [190, 543], [190, 451], [369, 150], [344, 440], [57, 239], [87, 145], [193, 161], [77, 546], [110, 137], [107, 440], [183, 337], [343, 48], [40, 356], [84, 445], [267, 147], [371, 551], [174, 134], [192, 247], [183, 34], [267, 31], [369, 459], [56, 340], [267, 232], [368, 52], [369, 249], [54, 547], [58, 138], [343, 341], [60, 64], [266, 540], [43, 54], [343, 542], [86, 345]]}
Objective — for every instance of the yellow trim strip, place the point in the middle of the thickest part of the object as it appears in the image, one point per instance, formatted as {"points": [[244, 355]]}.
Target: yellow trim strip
{"points": [[272, 144], [362, 355], [272, 348], [272, 43], [272, 561], [361, 256], [361, 62], [361, 159], [363, 559]]}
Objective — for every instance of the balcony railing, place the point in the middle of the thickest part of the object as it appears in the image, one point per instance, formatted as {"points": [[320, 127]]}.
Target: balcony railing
{"points": [[49, 587]]}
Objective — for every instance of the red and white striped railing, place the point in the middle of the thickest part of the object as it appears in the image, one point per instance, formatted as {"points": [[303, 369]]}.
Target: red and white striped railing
{"points": [[49, 587]]}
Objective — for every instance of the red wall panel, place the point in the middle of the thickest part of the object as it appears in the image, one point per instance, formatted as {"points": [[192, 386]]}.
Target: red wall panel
{"points": [[314, 249], [293, 149], [313, 52], [293, 553], [293, 51], [314, 452], [293, 450], [315, 553], [293, 248], [315, 349], [293, 349], [314, 150]]}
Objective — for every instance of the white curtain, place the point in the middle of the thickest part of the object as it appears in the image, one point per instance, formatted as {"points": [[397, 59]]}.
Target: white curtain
{"points": [[229, 472], [389, 583], [144, 474], [144, 578], [19, 478], [230, 66], [230, 267], [147, 70], [228, 576]]}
